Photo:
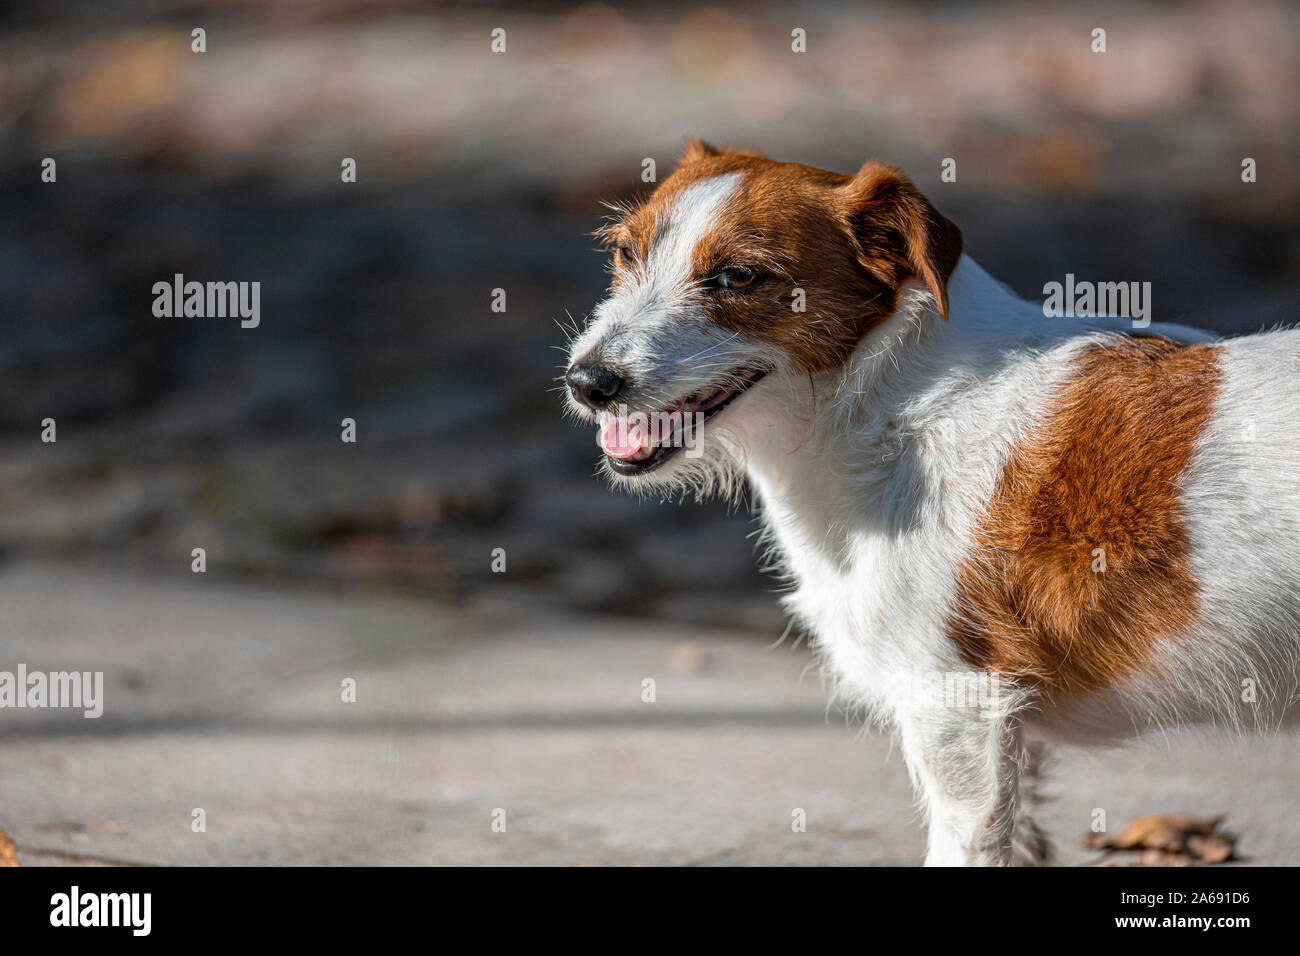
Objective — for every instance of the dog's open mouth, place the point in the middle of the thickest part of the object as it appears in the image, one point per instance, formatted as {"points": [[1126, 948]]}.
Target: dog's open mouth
{"points": [[640, 442]]}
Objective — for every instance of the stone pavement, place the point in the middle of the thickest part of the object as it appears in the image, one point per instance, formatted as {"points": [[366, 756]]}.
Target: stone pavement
{"points": [[226, 697]]}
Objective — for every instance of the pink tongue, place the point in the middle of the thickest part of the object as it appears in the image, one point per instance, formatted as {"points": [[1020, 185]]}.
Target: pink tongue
{"points": [[622, 437]]}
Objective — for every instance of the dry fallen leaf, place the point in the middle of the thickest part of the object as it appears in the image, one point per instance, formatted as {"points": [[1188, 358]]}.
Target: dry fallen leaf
{"points": [[1169, 839], [7, 855], [1215, 848]]}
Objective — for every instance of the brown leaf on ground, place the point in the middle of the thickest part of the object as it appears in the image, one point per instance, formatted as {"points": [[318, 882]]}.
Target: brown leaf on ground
{"points": [[1169, 839], [7, 855], [1215, 848]]}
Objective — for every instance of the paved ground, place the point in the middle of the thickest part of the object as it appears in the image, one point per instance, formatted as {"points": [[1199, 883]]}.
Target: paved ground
{"points": [[228, 698]]}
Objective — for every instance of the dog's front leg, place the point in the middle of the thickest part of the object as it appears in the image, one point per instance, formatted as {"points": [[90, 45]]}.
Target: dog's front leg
{"points": [[966, 765]]}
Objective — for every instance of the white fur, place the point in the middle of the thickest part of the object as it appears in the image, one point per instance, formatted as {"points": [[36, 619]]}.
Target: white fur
{"points": [[870, 480], [650, 327]]}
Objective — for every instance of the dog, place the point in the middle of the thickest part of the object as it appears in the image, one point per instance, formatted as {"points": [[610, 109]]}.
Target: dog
{"points": [[999, 528]]}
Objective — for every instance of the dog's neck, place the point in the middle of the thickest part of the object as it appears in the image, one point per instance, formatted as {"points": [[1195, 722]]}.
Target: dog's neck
{"points": [[846, 454]]}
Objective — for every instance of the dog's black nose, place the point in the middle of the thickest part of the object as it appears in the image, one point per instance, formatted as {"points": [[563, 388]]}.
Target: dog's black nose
{"points": [[594, 385]]}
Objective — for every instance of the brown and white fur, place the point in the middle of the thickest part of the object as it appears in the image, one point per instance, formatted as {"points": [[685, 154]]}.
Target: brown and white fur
{"points": [[1107, 523]]}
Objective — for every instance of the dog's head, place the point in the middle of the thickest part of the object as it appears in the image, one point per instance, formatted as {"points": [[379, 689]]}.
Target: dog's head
{"points": [[736, 273]]}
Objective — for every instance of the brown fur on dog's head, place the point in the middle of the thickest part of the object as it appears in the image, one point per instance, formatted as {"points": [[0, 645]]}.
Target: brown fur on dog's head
{"points": [[848, 242]]}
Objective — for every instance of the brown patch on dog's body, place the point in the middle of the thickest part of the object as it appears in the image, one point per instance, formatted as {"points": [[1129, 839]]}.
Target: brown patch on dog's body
{"points": [[849, 242], [1102, 471]]}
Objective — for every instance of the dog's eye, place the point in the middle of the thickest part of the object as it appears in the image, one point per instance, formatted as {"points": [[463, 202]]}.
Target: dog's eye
{"points": [[626, 257], [735, 279]]}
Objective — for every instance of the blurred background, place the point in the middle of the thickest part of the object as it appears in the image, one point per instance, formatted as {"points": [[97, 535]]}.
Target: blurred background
{"points": [[477, 171]]}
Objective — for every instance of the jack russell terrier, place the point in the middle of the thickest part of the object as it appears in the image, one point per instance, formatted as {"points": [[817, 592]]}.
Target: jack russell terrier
{"points": [[1000, 528]]}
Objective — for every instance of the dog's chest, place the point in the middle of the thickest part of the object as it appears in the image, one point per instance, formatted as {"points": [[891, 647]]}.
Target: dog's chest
{"points": [[876, 620]]}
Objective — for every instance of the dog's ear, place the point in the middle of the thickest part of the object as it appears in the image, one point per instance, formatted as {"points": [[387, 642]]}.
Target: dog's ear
{"points": [[697, 149], [899, 234]]}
